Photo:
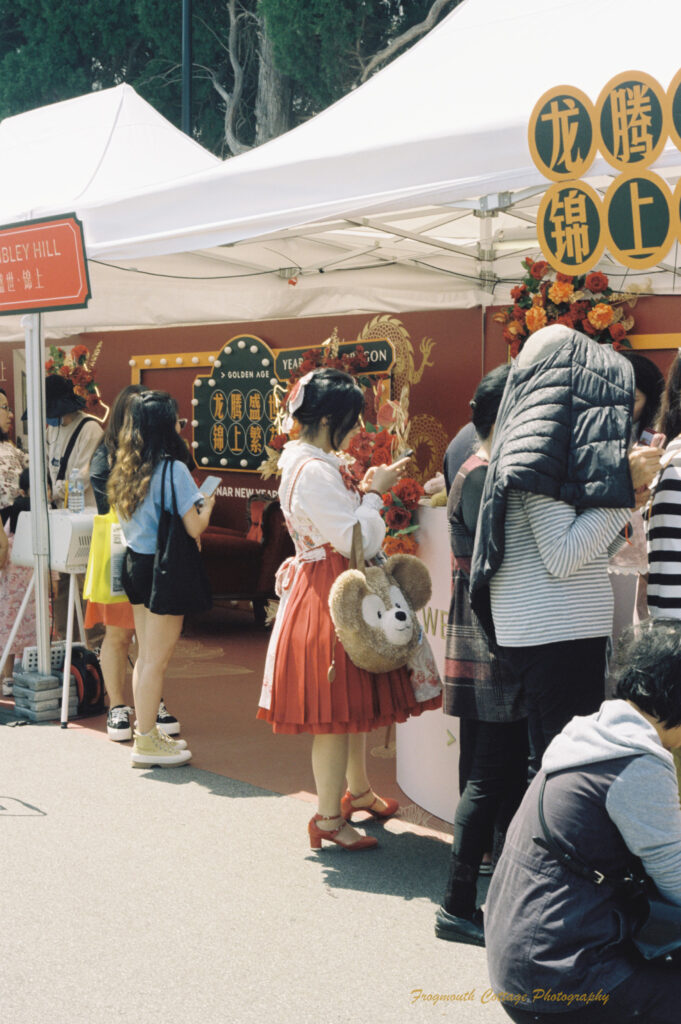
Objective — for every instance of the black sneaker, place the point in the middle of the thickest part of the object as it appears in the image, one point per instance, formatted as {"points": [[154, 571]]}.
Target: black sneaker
{"points": [[166, 722], [118, 723], [460, 929]]}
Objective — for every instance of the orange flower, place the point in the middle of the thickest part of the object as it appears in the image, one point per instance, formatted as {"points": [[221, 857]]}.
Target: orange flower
{"points": [[535, 318], [560, 291], [404, 545], [601, 316]]}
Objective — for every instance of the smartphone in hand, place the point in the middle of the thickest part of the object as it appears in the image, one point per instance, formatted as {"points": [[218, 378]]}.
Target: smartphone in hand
{"points": [[652, 438], [210, 485]]}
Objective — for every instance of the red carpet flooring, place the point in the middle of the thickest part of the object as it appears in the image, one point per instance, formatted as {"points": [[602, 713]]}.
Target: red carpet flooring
{"points": [[213, 687]]}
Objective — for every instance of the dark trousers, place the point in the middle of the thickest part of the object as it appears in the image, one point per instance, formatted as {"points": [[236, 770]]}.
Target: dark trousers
{"points": [[495, 787], [652, 995], [560, 680]]}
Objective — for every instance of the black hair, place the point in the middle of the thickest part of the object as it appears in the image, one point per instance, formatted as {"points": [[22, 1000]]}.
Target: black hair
{"points": [[152, 416], [335, 396], [117, 417], [669, 420], [650, 381], [3, 435], [487, 399], [649, 669]]}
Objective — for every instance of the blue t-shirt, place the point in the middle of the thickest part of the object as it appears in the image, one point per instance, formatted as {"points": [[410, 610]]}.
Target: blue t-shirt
{"points": [[140, 532]]}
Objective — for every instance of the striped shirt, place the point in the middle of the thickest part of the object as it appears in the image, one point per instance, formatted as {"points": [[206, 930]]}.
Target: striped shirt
{"points": [[664, 546], [553, 583]]}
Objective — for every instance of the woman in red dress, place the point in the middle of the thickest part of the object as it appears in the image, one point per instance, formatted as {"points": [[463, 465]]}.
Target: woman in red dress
{"points": [[321, 507]]}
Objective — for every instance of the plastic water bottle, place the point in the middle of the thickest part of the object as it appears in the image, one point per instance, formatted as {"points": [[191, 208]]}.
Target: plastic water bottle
{"points": [[76, 499]]}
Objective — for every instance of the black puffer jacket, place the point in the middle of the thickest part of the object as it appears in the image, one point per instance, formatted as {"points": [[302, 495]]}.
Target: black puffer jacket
{"points": [[563, 430]]}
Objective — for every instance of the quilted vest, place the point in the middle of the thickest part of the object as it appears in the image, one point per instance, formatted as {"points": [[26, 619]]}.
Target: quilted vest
{"points": [[563, 430]]}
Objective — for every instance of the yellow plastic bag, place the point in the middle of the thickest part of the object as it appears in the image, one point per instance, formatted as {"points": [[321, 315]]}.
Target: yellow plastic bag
{"points": [[107, 551]]}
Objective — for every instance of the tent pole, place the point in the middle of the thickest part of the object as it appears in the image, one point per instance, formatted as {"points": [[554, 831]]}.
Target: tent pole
{"points": [[35, 400]]}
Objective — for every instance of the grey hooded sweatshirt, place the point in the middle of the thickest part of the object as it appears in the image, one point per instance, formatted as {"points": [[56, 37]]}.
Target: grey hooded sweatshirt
{"points": [[611, 796]]}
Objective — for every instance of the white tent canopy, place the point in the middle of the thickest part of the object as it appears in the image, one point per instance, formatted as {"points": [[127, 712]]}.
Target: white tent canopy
{"points": [[416, 191]]}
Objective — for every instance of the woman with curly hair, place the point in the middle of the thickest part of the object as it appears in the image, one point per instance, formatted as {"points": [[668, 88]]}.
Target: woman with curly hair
{"points": [[150, 439]]}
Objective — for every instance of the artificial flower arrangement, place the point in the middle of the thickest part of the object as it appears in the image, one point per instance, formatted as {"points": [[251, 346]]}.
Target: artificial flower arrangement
{"points": [[78, 366], [379, 441], [584, 301]]}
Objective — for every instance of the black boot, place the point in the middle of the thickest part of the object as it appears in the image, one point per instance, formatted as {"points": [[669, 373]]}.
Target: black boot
{"points": [[460, 929], [458, 920]]}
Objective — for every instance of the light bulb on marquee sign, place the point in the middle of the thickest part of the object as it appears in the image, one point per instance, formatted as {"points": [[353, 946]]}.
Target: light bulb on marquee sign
{"points": [[638, 219]]}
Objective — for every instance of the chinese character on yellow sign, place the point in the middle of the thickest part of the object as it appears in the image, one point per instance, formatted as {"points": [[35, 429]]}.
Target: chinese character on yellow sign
{"points": [[218, 405], [561, 135], [236, 405], [569, 227], [218, 438], [256, 439], [638, 219], [255, 405], [630, 120], [236, 438]]}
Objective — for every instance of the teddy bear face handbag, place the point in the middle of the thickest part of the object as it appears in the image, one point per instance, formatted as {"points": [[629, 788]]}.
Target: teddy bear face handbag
{"points": [[373, 609]]}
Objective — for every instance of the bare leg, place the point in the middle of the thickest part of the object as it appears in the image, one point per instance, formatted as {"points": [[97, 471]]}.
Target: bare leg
{"points": [[114, 660], [156, 637], [329, 762], [356, 771]]}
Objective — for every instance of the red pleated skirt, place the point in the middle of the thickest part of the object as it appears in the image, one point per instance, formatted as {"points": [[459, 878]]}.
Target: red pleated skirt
{"points": [[303, 699]]}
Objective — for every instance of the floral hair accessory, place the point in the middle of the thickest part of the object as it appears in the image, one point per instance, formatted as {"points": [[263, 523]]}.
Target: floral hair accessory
{"points": [[295, 400]]}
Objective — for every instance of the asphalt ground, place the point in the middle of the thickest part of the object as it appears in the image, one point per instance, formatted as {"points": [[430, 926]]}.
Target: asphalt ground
{"points": [[179, 896]]}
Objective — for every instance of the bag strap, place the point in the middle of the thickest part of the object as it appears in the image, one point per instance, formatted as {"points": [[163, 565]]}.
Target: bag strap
{"points": [[163, 485], [63, 462], [550, 844], [357, 550]]}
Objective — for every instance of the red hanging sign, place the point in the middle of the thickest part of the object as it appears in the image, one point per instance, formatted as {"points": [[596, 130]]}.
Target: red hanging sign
{"points": [[43, 266]]}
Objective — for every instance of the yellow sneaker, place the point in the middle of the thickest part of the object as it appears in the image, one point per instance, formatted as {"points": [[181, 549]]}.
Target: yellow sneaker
{"points": [[155, 749]]}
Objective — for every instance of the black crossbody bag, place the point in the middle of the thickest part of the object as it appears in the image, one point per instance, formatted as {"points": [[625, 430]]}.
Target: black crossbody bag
{"points": [[657, 928], [179, 584]]}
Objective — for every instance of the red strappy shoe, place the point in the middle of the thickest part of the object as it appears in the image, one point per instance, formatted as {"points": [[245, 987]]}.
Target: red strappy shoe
{"points": [[348, 808], [331, 835]]}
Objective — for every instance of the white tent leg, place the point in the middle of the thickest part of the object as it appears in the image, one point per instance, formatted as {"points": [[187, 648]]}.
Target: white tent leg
{"points": [[66, 679]]}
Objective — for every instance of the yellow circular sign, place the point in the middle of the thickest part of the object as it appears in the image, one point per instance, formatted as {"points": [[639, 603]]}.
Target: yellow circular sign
{"points": [[638, 219], [569, 227], [561, 133], [673, 109], [631, 120]]}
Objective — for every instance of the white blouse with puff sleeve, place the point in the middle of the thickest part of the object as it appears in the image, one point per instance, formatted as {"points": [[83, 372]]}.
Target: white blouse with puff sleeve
{"points": [[320, 508]]}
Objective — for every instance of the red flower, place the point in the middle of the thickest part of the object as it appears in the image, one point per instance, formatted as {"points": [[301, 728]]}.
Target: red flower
{"points": [[588, 327], [596, 281], [380, 456], [278, 442], [518, 291], [49, 366], [538, 269], [514, 349], [618, 346], [65, 371], [409, 491], [617, 333], [565, 278], [397, 517], [79, 353], [403, 545], [388, 498]]}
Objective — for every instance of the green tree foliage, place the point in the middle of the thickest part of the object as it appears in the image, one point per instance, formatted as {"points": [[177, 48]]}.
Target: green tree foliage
{"points": [[323, 45], [52, 50]]}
